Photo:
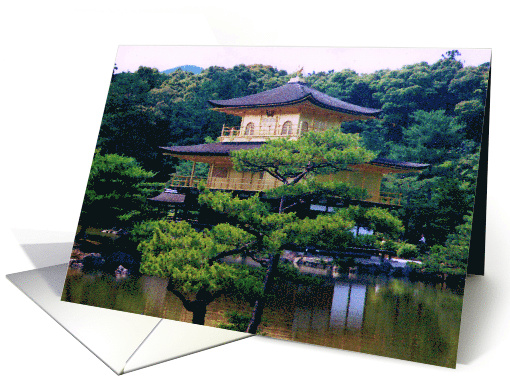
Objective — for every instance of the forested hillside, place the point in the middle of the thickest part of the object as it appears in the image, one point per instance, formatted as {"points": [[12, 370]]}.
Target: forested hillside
{"points": [[431, 113]]}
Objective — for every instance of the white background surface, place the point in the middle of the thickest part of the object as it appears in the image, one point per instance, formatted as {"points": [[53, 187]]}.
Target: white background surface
{"points": [[56, 63]]}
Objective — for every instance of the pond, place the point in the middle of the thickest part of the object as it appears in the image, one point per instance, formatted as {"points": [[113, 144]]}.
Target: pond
{"points": [[377, 315]]}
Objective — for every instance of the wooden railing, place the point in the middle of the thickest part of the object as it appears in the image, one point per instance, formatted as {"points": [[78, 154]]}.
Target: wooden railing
{"points": [[243, 185], [387, 198], [259, 131], [185, 181], [221, 183]]}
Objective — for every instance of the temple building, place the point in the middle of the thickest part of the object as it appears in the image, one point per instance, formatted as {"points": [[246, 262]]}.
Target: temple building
{"points": [[286, 111]]}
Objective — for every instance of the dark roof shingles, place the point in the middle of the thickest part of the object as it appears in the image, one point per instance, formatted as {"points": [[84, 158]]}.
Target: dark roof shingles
{"points": [[213, 148], [166, 197], [292, 93], [397, 163], [209, 149]]}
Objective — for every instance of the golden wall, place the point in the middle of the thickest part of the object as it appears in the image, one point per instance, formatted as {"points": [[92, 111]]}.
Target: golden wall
{"points": [[226, 178]]}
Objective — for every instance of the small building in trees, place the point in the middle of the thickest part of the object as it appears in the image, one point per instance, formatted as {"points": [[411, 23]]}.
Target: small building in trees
{"points": [[287, 111]]}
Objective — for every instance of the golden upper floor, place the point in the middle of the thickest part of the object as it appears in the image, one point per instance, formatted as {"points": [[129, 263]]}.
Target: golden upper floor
{"points": [[287, 111]]}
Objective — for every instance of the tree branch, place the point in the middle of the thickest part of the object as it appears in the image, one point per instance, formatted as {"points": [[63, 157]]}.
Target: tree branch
{"points": [[251, 255], [300, 201], [217, 294], [230, 252], [301, 176], [253, 231], [276, 175], [187, 304]]}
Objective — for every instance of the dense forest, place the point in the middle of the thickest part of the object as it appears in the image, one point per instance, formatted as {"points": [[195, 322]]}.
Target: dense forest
{"points": [[431, 113]]}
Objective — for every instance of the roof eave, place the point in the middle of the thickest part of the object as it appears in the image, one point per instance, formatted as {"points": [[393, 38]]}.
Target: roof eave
{"points": [[308, 97]]}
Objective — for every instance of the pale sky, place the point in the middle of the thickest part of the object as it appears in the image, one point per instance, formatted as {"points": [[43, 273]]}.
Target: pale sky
{"points": [[362, 60]]}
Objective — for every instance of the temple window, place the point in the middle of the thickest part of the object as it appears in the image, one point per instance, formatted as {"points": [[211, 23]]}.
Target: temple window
{"points": [[287, 128], [250, 129]]}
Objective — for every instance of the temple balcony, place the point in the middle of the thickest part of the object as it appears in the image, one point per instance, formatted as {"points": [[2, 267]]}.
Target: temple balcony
{"points": [[259, 133], [185, 181], [226, 184], [256, 185]]}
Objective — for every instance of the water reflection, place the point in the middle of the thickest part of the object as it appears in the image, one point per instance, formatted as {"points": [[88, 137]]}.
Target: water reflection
{"points": [[348, 306], [384, 316]]}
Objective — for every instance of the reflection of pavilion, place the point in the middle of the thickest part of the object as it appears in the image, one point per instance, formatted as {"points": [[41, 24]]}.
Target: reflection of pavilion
{"points": [[348, 306], [311, 309], [345, 310]]}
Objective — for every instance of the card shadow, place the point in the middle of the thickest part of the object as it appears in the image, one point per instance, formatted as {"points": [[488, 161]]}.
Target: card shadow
{"points": [[41, 255], [477, 309]]}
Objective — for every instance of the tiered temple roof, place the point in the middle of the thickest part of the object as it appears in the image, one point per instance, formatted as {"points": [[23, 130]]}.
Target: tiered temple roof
{"points": [[294, 92], [223, 149]]}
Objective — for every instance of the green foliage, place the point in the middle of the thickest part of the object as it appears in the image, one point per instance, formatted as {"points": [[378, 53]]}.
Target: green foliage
{"points": [[366, 241], [185, 256], [117, 192], [408, 251], [185, 167], [378, 219], [374, 133], [251, 213], [278, 230], [130, 123], [451, 258], [316, 152], [471, 114], [470, 83], [432, 137], [313, 189], [325, 231], [237, 321], [381, 220], [436, 200], [389, 245], [143, 231], [289, 273]]}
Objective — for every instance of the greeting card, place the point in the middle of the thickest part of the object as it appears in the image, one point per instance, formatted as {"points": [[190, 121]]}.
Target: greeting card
{"points": [[324, 196]]}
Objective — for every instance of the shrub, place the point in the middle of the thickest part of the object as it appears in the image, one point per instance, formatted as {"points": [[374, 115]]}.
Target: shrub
{"points": [[408, 251]]}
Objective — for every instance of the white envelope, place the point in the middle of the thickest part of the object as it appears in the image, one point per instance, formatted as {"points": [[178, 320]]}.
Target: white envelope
{"points": [[123, 341]]}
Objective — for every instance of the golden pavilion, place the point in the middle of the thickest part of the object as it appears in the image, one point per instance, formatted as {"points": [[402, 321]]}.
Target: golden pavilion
{"points": [[286, 111]]}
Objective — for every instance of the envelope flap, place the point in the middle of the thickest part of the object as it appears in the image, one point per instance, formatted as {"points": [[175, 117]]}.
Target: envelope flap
{"points": [[112, 336]]}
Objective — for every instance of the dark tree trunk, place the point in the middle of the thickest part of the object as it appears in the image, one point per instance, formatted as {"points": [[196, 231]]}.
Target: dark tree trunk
{"points": [[199, 311], [198, 306], [260, 304], [82, 234]]}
